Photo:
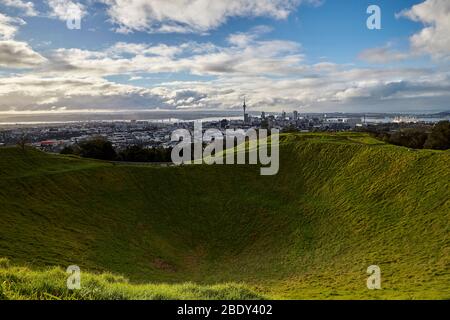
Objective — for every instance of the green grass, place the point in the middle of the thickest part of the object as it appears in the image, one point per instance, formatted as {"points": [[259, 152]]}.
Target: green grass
{"points": [[340, 203], [19, 283]]}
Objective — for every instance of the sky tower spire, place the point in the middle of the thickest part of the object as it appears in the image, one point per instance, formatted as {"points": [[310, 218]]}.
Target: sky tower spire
{"points": [[245, 113]]}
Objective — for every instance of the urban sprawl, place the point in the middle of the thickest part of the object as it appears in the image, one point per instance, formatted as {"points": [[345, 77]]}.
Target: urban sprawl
{"points": [[151, 134]]}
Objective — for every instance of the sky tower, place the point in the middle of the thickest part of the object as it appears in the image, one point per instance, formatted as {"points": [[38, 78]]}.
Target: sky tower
{"points": [[245, 113]]}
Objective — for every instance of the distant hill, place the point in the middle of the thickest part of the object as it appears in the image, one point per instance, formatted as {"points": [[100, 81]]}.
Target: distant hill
{"points": [[340, 203]]}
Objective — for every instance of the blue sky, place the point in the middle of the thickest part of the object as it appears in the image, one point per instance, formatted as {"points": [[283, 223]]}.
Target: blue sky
{"points": [[307, 55]]}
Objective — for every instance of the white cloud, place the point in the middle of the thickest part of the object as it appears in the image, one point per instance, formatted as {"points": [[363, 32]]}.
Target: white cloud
{"points": [[343, 90], [383, 55], [242, 39], [40, 93], [434, 38], [272, 73], [26, 6], [146, 49], [317, 88], [270, 57], [16, 54], [9, 26], [184, 16], [66, 9]]}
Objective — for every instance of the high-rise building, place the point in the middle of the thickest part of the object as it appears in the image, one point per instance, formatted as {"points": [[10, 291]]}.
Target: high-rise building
{"points": [[295, 115], [263, 115], [245, 113]]}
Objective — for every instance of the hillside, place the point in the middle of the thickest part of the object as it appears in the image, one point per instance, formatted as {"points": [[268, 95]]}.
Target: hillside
{"points": [[338, 204]]}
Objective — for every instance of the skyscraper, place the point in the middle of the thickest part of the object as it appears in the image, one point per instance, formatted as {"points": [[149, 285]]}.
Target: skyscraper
{"points": [[245, 113]]}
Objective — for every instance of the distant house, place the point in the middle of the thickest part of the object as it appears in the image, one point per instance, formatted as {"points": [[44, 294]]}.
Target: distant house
{"points": [[48, 143]]}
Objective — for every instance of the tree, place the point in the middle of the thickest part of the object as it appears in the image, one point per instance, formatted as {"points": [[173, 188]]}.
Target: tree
{"points": [[139, 154], [134, 154], [439, 138], [411, 138], [71, 150], [97, 148], [22, 141]]}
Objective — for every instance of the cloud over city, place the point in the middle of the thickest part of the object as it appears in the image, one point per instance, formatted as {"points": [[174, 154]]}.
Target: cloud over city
{"points": [[206, 71]]}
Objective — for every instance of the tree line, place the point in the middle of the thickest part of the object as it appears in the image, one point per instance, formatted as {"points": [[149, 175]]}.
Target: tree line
{"points": [[102, 149], [437, 137]]}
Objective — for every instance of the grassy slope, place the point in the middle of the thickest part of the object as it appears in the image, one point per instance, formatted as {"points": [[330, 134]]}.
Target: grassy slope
{"points": [[19, 283], [339, 204]]}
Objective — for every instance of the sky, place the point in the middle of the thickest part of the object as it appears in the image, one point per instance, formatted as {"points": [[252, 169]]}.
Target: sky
{"points": [[68, 56]]}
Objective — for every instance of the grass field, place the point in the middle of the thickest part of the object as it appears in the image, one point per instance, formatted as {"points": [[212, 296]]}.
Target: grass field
{"points": [[340, 203]]}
